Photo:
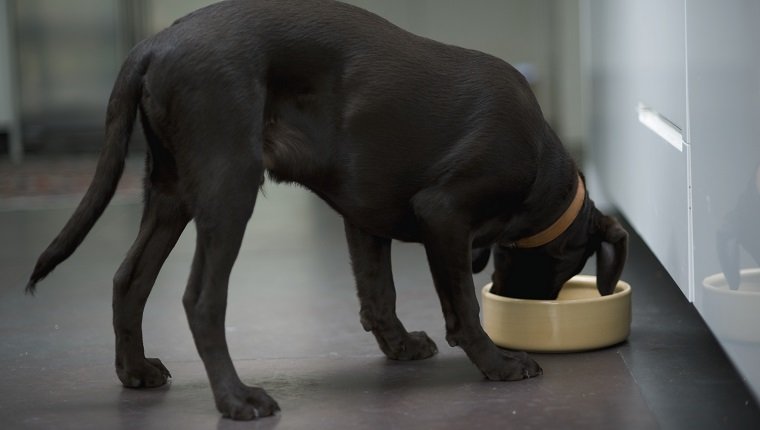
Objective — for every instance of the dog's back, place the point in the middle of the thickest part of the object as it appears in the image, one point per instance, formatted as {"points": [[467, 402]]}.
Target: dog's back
{"points": [[354, 105]]}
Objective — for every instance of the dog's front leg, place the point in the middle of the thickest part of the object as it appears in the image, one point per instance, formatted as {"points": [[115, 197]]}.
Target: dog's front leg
{"points": [[371, 262], [448, 247]]}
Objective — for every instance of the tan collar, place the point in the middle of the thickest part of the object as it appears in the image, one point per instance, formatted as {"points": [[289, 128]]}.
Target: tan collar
{"points": [[560, 225]]}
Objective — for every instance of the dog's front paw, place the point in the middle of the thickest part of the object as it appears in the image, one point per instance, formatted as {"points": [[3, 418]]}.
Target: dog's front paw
{"points": [[511, 366], [149, 373], [246, 403], [416, 346]]}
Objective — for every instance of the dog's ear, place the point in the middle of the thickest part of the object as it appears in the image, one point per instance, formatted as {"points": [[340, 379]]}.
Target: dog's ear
{"points": [[611, 255], [480, 258]]}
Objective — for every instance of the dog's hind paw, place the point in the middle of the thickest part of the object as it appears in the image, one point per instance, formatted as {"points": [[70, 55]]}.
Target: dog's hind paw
{"points": [[150, 373], [246, 403]]}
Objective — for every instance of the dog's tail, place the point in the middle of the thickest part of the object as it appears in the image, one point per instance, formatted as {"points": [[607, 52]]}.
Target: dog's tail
{"points": [[120, 120]]}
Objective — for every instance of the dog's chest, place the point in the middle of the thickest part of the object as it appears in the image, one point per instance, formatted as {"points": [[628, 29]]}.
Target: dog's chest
{"points": [[293, 153]]}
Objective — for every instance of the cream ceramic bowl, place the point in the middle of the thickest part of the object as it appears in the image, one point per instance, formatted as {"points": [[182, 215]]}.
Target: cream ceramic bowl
{"points": [[579, 320], [733, 314]]}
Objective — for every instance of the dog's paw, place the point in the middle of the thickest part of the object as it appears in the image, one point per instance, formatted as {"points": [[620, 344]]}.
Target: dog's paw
{"points": [[511, 366], [416, 346], [246, 403], [150, 373]]}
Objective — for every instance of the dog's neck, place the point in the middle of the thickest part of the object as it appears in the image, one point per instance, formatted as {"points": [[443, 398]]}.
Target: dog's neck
{"points": [[560, 225], [555, 199]]}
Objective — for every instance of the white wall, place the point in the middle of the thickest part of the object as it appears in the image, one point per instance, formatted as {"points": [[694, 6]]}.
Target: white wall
{"points": [[542, 33], [516, 31], [161, 13], [569, 114]]}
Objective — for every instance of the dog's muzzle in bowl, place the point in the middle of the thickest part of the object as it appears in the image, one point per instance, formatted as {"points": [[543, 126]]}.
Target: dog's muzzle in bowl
{"points": [[578, 320]]}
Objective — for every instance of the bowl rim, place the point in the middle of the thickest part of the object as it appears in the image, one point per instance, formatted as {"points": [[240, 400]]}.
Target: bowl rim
{"points": [[625, 291], [709, 283]]}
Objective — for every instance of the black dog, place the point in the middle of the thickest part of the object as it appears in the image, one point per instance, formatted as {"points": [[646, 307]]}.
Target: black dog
{"points": [[406, 138]]}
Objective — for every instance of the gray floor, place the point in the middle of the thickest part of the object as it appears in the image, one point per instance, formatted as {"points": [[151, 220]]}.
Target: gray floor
{"points": [[293, 328]]}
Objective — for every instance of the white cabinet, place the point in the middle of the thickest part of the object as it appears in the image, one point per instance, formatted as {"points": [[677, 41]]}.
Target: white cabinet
{"points": [[638, 61], [696, 63], [724, 117]]}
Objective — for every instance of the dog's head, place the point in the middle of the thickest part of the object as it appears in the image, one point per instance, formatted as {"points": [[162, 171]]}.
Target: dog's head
{"points": [[539, 272]]}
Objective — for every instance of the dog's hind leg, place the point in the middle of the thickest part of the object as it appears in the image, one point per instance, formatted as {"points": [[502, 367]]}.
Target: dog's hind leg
{"points": [[227, 190], [371, 262], [163, 221]]}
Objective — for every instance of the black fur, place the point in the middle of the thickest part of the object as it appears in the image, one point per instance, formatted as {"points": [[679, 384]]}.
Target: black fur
{"points": [[406, 138]]}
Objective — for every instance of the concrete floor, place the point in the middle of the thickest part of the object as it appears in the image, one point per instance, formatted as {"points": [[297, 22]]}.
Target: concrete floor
{"points": [[293, 328]]}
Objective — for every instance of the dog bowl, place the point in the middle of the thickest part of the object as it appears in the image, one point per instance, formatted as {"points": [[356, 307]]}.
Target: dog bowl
{"points": [[733, 314], [578, 320]]}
